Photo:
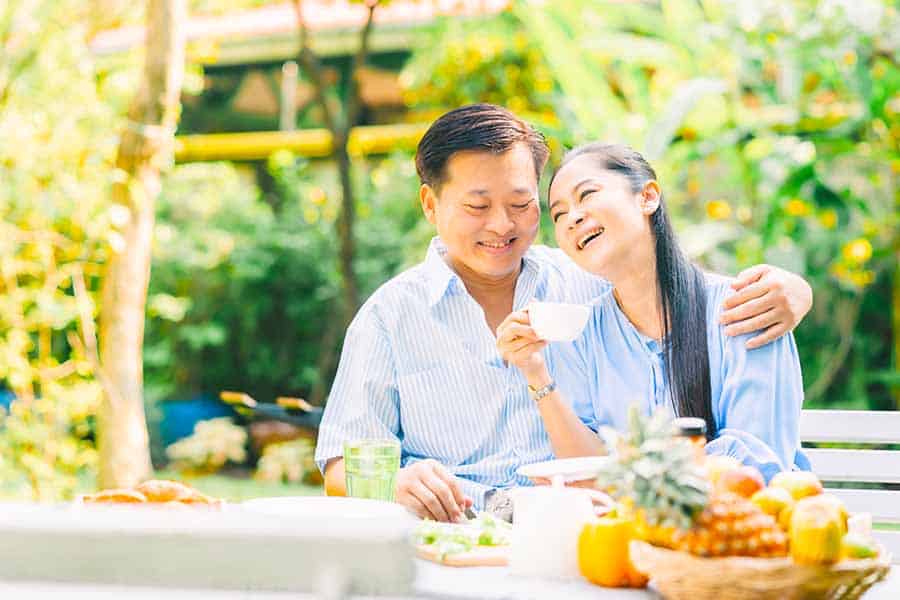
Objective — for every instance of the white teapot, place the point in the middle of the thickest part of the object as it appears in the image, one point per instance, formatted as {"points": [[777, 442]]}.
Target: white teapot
{"points": [[546, 526]]}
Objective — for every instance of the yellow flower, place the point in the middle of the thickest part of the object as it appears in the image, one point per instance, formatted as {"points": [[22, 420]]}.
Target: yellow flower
{"points": [[862, 278], [796, 207], [317, 196], [718, 210], [517, 104], [858, 251], [693, 186], [828, 218], [310, 215], [543, 85], [688, 133], [849, 58]]}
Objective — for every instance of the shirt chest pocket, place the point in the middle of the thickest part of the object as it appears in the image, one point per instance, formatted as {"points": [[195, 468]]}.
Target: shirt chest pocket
{"points": [[452, 412]]}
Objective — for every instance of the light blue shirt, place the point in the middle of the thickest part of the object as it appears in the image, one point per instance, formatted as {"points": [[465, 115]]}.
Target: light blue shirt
{"points": [[756, 394], [420, 364]]}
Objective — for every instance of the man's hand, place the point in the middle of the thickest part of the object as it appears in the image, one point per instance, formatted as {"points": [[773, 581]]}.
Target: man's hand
{"points": [[519, 345], [768, 299], [429, 490]]}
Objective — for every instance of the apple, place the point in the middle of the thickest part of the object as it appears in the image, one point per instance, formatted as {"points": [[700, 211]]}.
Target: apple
{"points": [[833, 503], [772, 500], [800, 484], [743, 481], [715, 465]]}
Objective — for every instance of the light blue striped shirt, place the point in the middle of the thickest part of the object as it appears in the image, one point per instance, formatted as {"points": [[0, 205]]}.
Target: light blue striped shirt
{"points": [[756, 394], [420, 364]]}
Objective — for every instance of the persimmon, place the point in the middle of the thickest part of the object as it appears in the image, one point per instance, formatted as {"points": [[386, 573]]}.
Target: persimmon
{"points": [[603, 553]]}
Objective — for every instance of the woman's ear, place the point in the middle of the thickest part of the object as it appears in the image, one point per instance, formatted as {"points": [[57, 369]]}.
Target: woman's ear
{"points": [[650, 196], [428, 199]]}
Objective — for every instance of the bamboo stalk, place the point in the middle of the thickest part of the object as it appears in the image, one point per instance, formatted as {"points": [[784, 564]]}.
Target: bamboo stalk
{"points": [[311, 143]]}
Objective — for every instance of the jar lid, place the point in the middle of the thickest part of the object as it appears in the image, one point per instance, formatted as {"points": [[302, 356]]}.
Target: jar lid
{"points": [[690, 426]]}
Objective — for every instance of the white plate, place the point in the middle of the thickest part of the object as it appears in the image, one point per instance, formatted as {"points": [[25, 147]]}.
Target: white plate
{"points": [[570, 469], [326, 507]]}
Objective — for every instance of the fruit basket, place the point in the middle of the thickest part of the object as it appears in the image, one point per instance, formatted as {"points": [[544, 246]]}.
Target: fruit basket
{"points": [[683, 576], [708, 527]]}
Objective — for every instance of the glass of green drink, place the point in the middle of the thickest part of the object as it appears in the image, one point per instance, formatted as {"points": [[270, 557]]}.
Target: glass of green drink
{"points": [[370, 468]]}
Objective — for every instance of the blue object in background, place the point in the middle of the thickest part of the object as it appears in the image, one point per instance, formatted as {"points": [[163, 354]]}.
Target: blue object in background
{"points": [[180, 416], [6, 398]]}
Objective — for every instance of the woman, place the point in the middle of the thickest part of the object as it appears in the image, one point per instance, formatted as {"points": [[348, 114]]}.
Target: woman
{"points": [[655, 339]]}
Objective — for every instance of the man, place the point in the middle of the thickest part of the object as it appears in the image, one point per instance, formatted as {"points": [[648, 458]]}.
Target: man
{"points": [[420, 362]]}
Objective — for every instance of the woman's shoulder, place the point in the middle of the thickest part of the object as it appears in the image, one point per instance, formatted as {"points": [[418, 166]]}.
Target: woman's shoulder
{"points": [[718, 287]]}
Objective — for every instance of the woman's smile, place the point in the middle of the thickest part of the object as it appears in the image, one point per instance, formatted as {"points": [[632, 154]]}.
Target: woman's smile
{"points": [[586, 238]]}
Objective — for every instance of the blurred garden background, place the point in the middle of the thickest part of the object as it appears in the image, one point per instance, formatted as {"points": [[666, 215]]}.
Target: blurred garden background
{"points": [[261, 164]]}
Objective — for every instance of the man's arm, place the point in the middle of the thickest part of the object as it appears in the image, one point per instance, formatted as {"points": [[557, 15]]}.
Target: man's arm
{"points": [[335, 483], [364, 403], [769, 300]]}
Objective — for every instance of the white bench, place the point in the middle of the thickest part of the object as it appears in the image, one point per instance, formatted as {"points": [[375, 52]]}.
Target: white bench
{"points": [[859, 466]]}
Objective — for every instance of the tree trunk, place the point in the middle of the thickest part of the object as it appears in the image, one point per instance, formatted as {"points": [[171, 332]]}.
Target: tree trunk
{"points": [[145, 148], [340, 131], [345, 227]]}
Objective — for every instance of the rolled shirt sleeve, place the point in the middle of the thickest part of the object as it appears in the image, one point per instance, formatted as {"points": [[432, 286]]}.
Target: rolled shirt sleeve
{"points": [[758, 407], [364, 402]]}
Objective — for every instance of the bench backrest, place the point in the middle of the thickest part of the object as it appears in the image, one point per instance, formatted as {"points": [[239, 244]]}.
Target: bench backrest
{"points": [[859, 466]]}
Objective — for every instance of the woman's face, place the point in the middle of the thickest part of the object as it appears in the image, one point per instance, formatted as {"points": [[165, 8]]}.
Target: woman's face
{"points": [[599, 221]]}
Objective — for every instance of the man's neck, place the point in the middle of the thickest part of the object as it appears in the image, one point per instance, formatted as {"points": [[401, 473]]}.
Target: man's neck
{"points": [[495, 295], [480, 285]]}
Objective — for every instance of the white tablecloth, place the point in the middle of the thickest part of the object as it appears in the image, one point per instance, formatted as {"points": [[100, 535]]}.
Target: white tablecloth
{"points": [[433, 582]]}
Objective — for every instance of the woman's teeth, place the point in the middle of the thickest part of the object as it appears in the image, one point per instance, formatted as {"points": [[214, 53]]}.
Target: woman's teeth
{"points": [[588, 237]]}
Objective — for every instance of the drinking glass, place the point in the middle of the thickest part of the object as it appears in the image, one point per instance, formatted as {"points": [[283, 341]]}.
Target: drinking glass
{"points": [[370, 468]]}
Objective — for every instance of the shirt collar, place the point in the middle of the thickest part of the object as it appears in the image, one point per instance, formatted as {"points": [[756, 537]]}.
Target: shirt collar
{"points": [[437, 271], [441, 277]]}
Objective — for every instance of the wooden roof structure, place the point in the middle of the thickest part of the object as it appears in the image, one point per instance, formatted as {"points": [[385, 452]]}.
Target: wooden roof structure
{"points": [[269, 33]]}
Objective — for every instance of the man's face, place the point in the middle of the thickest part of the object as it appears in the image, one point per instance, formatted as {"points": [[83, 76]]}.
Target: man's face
{"points": [[487, 210]]}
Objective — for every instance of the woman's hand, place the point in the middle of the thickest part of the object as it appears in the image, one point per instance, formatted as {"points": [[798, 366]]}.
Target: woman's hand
{"points": [[519, 345], [769, 300]]}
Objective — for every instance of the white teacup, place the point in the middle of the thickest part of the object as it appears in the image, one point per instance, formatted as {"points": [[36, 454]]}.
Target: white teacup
{"points": [[557, 321]]}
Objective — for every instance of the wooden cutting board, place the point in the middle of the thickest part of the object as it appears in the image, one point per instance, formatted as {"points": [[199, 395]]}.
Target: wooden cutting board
{"points": [[481, 556]]}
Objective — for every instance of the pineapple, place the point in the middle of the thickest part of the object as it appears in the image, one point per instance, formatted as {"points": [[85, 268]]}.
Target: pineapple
{"points": [[672, 502]]}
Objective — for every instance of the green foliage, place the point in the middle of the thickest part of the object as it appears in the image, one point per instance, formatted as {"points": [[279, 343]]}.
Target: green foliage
{"points": [[245, 285], [287, 462], [44, 443], [213, 444], [491, 60], [56, 165], [774, 128]]}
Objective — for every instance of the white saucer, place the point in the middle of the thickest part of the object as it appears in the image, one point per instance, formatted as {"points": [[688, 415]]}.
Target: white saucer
{"points": [[570, 469]]}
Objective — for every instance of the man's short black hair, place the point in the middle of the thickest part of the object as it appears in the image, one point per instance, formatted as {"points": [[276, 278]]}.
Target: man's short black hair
{"points": [[478, 127]]}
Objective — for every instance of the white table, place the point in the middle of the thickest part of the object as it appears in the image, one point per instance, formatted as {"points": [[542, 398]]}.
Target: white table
{"points": [[433, 582]]}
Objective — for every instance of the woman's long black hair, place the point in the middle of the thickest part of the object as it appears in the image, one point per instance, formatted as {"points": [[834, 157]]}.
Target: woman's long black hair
{"points": [[682, 291]]}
